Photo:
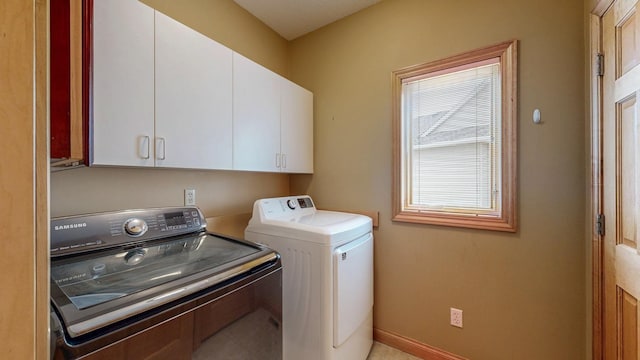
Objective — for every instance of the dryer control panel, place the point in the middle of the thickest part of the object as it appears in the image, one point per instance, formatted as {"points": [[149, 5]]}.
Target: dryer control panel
{"points": [[276, 208]]}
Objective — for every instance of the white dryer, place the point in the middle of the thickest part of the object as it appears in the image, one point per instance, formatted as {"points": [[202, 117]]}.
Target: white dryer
{"points": [[327, 260]]}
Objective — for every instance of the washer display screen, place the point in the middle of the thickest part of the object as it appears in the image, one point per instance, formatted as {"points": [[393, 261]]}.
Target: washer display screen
{"points": [[176, 218]]}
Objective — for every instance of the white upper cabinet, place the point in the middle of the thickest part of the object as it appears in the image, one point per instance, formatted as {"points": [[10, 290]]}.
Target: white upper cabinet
{"points": [[272, 119], [256, 116], [165, 95], [296, 128], [193, 98], [123, 95]]}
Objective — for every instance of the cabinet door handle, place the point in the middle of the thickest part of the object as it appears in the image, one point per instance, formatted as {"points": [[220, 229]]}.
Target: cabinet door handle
{"points": [[277, 160], [162, 141], [144, 151], [284, 161]]}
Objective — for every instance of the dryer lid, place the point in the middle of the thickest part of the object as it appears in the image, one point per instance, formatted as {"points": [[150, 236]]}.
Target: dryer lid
{"points": [[296, 217]]}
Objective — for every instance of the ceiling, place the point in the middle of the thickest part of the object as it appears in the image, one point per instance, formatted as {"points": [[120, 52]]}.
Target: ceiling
{"points": [[294, 18]]}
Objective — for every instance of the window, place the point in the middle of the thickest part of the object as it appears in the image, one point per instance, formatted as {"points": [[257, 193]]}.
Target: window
{"points": [[455, 140]]}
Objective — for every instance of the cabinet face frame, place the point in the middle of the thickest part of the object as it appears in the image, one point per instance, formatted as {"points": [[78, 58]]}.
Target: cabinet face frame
{"points": [[86, 74]]}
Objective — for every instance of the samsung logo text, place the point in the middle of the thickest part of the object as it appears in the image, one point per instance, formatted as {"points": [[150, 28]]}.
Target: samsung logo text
{"points": [[70, 226]]}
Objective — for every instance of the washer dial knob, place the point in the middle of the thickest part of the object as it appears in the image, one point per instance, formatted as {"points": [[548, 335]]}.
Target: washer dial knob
{"points": [[135, 227], [134, 257], [291, 204]]}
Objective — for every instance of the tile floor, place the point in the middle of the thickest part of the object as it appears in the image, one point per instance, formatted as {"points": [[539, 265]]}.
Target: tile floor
{"points": [[380, 351]]}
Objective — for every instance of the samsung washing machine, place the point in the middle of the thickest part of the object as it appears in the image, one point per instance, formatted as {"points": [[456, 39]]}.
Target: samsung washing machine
{"points": [[327, 260]]}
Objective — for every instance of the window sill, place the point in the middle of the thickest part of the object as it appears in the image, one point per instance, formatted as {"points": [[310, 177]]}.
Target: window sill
{"points": [[464, 221]]}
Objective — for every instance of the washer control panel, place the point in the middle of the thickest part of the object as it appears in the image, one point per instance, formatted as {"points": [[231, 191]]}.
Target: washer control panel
{"points": [[289, 206], [81, 233]]}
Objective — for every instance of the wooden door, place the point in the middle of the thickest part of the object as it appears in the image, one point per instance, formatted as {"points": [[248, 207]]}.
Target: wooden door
{"points": [[621, 181]]}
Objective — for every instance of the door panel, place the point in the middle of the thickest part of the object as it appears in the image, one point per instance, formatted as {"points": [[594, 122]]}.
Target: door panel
{"points": [[628, 318], [352, 287], [627, 269], [628, 44], [193, 97], [296, 118], [621, 166], [256, 116], [123, 78], [628, 145]]}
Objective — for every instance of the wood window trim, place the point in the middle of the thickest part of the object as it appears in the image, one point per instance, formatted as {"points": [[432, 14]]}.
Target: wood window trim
{"points": [[507, 221]]}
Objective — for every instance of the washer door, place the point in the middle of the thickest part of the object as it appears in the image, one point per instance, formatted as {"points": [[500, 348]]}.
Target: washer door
{"points": [[352, 286]]}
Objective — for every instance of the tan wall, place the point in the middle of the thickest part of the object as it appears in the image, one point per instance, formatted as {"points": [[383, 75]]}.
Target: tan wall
{"points": [[523, 295], [232, 26], [217, 192]]}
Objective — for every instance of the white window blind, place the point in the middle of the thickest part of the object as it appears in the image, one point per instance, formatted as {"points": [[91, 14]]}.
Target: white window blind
{"points": [[451, 124]]}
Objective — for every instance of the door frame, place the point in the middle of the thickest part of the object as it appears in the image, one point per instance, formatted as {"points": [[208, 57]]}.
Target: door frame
{"points": [[596, 142], [41, 172], [25, 179]]}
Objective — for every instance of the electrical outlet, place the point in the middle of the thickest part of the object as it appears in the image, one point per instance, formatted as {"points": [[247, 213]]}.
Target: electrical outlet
{"points": [[189, 197], [456, 317]]}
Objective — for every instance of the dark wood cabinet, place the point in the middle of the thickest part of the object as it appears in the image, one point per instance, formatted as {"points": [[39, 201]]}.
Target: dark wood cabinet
{"points": [[70, 43], [60, 79]]}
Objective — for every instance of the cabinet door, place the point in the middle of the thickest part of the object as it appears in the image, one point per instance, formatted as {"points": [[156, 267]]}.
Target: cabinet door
{"points": [[256, 116], [193, 98], [59, 79], [122, 122], [296, 124]]}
